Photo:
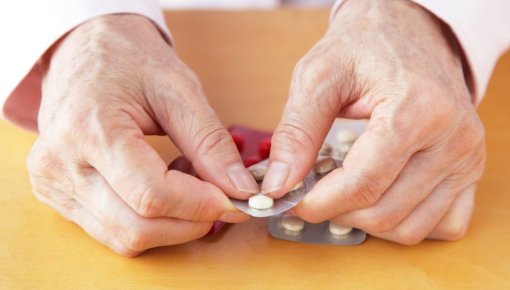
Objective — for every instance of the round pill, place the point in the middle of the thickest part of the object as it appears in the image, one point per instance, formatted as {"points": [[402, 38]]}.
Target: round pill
{"points": [[258, 171], [325, 149], [324, 165], [264, 148], [346, 136], [292, 224], [260, 201], [340, 152], [338, 230], [298, 186]]}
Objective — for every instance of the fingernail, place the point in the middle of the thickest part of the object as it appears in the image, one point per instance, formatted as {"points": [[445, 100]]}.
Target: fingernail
{"points": [[242, 180], [233, 217], [275, 177]]}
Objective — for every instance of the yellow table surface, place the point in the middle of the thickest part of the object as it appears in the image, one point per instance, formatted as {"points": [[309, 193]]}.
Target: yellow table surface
{"points": [[245, 60]]}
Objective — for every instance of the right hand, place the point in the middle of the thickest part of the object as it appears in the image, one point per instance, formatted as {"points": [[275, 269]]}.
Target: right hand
{"points": [[412, 174], [108, 83]]}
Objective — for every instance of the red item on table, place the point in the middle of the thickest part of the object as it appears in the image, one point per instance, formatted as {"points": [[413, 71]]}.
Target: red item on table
{"points": [[264, 148], [254, 146], [239, 141], [250, 160]]}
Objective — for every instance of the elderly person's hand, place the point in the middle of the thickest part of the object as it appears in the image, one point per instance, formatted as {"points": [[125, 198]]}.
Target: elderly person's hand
{"points": [[412, 174], [108, 83]]}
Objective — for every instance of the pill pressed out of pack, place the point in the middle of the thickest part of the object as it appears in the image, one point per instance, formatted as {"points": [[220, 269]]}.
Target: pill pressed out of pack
{"points": [[341, 151], [324, 165], [346, 136], [288, 201], [292, 224], [338, 230], [258, 171], [326, 149], [281, 227], [260, 201], [298, 186]]}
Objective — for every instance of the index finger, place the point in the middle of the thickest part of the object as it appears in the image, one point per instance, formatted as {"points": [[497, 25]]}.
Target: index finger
{"points": [[140, 176], [371, 166]]}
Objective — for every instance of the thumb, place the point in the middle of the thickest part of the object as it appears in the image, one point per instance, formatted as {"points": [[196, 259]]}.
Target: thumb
{"points": [[311, 108]]}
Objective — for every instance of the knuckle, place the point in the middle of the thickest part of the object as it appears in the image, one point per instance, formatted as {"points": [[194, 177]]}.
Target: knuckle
{"points": [[378, 223], [470, 135], [301, 69], [453, 231], [148, 204], [137, 239], [313, 82], [95, 127], [364, 191], [65, 205], [48, 175], [309, 71], [465, 148], [36, 161], [290, 134], [409, 237], [40, 159], [71, 118], [214, 140], [436, 115], [204, 210], [193, 78], [128, 253]]}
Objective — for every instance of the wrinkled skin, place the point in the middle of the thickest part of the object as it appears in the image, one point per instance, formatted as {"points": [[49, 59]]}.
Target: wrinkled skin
{"points": [[108, 83], [412, 174], [114, 79]]}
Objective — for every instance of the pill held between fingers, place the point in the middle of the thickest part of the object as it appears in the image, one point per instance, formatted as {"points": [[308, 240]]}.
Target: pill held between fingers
{"points": [[341, 151], [292, 224], [324, 165], [260, 201], [325, 149], [338, 230], [298, 186], [346, 136], [258, 172]]}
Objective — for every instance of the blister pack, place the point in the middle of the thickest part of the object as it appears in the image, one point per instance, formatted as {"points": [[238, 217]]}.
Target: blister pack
{"points": [[281, 225], [289, 200], [294, 229]]}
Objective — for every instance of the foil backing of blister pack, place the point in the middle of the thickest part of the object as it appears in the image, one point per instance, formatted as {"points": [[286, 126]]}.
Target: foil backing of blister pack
{"points": [[314, 234], [286, 202]]}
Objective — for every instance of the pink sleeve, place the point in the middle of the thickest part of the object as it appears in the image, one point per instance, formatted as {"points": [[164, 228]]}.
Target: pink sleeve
{"points": [[30, 27], [481, 27]]}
